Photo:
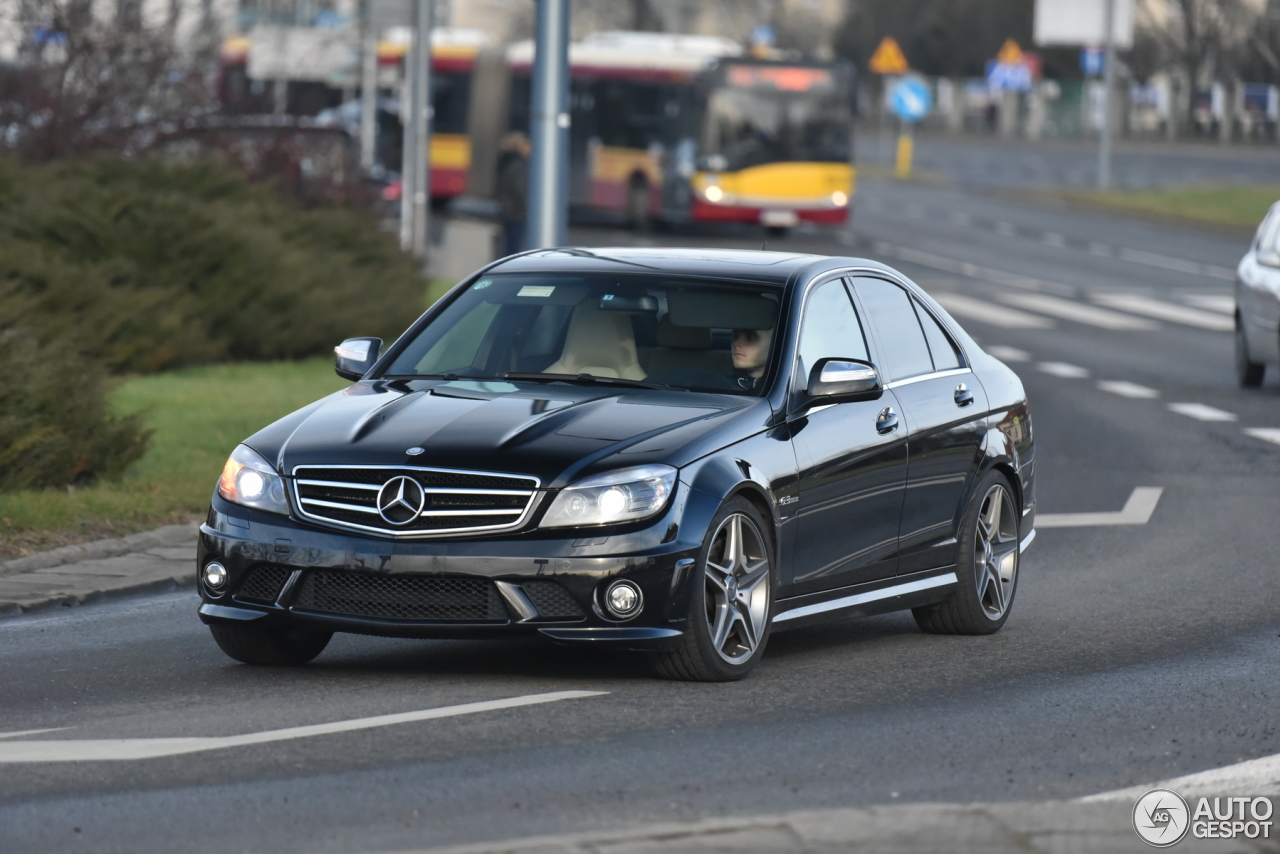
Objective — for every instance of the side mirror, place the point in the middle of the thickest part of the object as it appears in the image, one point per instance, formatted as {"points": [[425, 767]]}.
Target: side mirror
{"points": [[844, 379], [354, 357], [1269, 259]]}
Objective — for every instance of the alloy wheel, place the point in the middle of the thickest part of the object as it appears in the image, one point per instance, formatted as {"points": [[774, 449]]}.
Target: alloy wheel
{"points": [[995, 559], [737, 588]]}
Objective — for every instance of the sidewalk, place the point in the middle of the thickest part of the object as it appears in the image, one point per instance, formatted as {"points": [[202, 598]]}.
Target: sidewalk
{"points": [[150, 562], [1046, 827]]}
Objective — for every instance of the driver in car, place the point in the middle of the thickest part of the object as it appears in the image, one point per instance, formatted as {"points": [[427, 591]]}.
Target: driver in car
{"points": [[750, 355]]}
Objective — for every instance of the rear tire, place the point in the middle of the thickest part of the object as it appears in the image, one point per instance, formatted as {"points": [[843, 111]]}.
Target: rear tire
{"points": [[1248, 372], [269, 646], [731, 606], [989, 554]]}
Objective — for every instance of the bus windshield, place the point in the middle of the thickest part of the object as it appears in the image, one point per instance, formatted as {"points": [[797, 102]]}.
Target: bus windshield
{"points": [[776, 114]]}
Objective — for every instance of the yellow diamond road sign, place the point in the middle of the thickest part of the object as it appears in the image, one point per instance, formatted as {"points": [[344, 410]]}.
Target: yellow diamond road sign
{"points": [[888, 58], [1010, 53]]}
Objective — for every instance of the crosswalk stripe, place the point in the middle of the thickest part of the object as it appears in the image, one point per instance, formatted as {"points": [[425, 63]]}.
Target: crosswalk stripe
{"points": [[989, 312], [1064, 369], [1222, 303], [1201, 412], [1165, 262], [1266, 434], [1139, 304], [1009, 354], [1128, 389], [1078, 312]]}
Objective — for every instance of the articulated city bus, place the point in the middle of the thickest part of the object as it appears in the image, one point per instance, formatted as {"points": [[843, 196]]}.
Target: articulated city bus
{"points": [[687, 129], [453, 55]]}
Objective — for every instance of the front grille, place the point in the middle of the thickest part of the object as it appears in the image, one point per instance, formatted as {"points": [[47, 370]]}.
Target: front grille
{"points": [[552, 600], [452, 501], [401, 597], [263, 584]]}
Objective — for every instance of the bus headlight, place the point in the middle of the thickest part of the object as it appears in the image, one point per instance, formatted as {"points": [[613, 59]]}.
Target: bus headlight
{"points": [[839, 199], [713, 193]]}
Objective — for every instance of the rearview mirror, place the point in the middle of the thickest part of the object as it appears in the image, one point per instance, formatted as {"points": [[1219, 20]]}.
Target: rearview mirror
{"points": [[354, 357], [844, 379]]}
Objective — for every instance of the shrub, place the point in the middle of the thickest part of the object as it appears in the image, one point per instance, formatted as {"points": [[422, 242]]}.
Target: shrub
{"points": [[54, 425], [146, 266]]}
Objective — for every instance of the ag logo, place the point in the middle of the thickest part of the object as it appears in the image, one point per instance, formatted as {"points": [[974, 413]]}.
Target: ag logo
{"points": [[1161, 818]]}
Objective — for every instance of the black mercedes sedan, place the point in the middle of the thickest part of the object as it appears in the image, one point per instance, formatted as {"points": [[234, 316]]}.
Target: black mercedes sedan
{"points": [[674, 451]]}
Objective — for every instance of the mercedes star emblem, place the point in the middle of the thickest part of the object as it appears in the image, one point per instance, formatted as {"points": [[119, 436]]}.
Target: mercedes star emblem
{"points": [[413, 452], [401, 500]]}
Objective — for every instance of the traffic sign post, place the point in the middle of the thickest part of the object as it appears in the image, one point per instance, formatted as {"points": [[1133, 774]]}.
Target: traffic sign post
{"points": [[910, 100]]}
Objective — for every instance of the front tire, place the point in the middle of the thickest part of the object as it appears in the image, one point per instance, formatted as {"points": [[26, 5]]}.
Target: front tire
{"points": [[732, 602], [270, 646], [988, 566], [1248, 372]]}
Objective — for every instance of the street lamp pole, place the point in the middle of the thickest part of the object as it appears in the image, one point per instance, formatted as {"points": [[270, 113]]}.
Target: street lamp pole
{"points": [[1108, 84], [424, 19], [549, 128]]}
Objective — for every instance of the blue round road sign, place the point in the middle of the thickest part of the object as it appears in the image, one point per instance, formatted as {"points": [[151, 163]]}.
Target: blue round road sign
{"points": [[910, 99]]}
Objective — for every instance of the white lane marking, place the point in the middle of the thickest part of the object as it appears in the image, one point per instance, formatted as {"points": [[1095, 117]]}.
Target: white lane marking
{"points": [[1009, 354], [1166, 262], [1005, 229], [1266, 434], [1102, 250], [1200, 412], [1139, 304], [965, 268], [1252, 777], [1137, 511], [148, 748], [1223, 303], [1128, 389], [1053, 239], [1064, 369], [32, 732], [987, 312], [1078, 312]]}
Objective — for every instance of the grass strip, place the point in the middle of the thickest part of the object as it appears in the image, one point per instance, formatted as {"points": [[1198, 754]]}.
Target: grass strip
{"points": [[1233, 207], [198, 415]]}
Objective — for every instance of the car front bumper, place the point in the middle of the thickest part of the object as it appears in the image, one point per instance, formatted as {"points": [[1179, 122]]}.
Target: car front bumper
{"points": [[342, 582]]}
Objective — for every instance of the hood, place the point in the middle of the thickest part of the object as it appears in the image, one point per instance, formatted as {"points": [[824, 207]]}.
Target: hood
{"points": [[555, 432]]}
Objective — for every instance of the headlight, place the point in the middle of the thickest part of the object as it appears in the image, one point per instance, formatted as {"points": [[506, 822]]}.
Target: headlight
{"points": [[250, 480], [617, 496]]}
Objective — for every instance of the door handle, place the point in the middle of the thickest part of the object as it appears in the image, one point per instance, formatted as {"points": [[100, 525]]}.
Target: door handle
{"points": [[887, 421], [963, 396]]}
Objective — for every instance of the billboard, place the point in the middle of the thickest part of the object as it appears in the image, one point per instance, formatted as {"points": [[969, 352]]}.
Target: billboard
{"points": [[1081, 22]]}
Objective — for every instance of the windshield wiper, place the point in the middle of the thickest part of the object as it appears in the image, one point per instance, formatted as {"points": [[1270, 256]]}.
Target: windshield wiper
{"points": [[591, 379]]}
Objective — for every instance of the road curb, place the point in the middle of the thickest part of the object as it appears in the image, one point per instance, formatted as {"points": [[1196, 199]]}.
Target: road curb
{"points": [[169, 535]]}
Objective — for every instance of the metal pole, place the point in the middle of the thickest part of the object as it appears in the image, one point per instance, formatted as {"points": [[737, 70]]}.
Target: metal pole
{"points": [[408, 150], [422, 131], [549, 128], [368, 86], [1108, 84]]}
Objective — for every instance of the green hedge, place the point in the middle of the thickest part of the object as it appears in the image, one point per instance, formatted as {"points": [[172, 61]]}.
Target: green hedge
{"points": [[145, 266], [54, 425]]}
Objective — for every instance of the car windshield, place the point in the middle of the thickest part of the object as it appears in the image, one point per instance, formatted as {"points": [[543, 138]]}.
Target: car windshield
{"points": [[637, 330]]}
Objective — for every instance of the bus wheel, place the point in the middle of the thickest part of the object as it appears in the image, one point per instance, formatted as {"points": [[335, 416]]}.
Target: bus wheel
{"points": [[638, 206]]}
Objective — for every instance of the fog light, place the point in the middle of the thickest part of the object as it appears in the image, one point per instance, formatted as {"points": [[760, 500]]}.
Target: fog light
{"points": [[215, 578], [623, 599]]}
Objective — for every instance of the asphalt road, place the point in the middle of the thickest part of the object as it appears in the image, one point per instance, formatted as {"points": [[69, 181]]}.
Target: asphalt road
{"points": [[1134, 653]]}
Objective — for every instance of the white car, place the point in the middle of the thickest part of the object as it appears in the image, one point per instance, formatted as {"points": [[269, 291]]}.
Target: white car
{"points": [[1258, 303]]}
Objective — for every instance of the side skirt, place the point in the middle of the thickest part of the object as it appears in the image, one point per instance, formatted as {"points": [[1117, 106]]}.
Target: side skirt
{"points": [[876, 597]]}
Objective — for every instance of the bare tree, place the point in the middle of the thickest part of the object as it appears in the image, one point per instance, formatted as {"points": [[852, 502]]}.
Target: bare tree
{"points": [[85, 81], [1201, 39]]}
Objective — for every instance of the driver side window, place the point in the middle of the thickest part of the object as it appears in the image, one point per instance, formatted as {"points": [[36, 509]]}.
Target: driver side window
{"points": [[830, 328]]}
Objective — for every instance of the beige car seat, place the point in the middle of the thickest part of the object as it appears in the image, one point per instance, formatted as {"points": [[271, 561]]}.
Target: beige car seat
{"points": [[600, 343]]}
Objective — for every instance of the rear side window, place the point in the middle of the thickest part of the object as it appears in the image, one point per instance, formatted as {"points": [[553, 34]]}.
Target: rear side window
{"points": [[903, 350], [946, 355]]}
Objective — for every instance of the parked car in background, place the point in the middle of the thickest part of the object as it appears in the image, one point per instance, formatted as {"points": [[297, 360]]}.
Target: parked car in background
{"points": [[1258, 303], [667, 450]]}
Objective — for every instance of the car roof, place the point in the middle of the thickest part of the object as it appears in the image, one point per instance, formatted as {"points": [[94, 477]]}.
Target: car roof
{"points": [[739, 264]]}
